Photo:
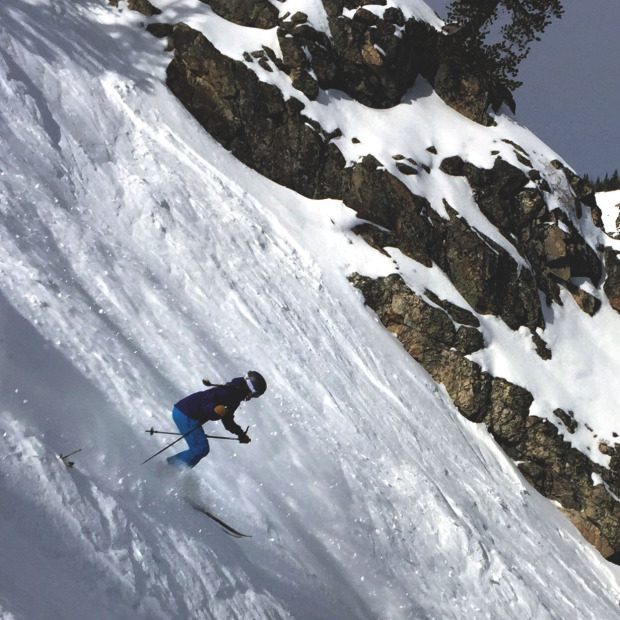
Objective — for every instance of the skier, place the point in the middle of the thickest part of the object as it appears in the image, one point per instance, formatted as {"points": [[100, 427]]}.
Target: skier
{"points": [[217, 403]]}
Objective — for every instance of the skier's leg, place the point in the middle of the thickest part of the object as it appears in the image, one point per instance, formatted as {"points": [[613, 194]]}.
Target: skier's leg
{"points": [[198, 447], [196, 440]]}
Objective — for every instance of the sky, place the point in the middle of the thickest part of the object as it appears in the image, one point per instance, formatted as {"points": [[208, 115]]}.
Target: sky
{"points": [[571, 89]]}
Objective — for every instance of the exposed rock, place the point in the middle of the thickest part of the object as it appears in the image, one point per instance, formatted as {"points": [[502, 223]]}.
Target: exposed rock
{"points": [[489, 279], [564, 474], [458, 314], [553, 248], [252, 13], [160, 30], [468, 340], [612, 475], [611, 285], [497, 192], [374, 64], [568, 420], [587, 302], [306, 50], [429, 336], [380, 197], [141, 6], [485, 274], [305, 83], [401, 308], [508, 409], [465, 87], [547, 239], [470, 93], [542, 349], [251, 118], [406, 168], [584, 192], [453, 165], [376, 60], [551, 465], [590, 532]]}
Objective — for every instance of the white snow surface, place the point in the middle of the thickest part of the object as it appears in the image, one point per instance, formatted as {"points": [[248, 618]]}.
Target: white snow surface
{"points": [[609, 203], [416, 9], [136, 258]]}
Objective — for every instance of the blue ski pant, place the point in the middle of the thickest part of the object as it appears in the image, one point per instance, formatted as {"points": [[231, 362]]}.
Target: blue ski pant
{"points": [[196, 440]]}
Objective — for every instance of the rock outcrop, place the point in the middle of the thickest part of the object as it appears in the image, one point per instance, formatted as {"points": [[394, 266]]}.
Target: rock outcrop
{"points": [[546, 238], [251, 118], [374, 59], [439, 336], [469, 92], [611, 285], [141, 6], [250, 13]]}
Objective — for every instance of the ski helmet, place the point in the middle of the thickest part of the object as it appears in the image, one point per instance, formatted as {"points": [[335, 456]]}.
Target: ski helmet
{"points": [[256, 383]]}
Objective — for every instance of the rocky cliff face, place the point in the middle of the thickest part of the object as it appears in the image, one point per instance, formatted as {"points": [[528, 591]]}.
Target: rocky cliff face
{"points": [[375, 56]]}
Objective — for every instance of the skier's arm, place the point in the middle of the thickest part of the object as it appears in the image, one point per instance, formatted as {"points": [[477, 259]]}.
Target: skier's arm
{"points": [[232, 427]]}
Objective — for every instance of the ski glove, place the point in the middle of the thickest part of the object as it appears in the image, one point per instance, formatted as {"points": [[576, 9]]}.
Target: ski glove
{"points": [[244, 439]]}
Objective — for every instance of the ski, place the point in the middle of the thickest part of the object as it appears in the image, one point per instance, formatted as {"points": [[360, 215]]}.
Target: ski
{"points": [[227, 528]]}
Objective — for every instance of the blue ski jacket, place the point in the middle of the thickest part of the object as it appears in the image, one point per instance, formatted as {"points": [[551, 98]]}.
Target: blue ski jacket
{"points": [[201, 405]]}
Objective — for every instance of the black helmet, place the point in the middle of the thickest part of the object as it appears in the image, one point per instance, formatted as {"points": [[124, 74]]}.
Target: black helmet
{"points": [[256, 382]]}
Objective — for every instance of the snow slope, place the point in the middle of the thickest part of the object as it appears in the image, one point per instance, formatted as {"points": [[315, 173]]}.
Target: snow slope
{"points": [[137, 257], [608, 203]]}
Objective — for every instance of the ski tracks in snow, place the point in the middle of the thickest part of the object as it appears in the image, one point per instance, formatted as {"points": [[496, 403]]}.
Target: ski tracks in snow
{"points": [[116, 564]]}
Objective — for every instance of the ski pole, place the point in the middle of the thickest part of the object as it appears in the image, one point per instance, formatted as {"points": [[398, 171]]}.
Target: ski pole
{"points": [[227, 438], [152, 431], [66, 456], [184, 436], [170, 444]]}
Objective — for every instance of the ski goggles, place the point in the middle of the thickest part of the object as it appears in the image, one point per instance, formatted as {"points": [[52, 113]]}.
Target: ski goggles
{"points": [[254, 393]]}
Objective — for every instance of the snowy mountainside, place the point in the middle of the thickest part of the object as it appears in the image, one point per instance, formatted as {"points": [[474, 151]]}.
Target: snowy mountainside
{"points": [[137, 257], [513, 294]]}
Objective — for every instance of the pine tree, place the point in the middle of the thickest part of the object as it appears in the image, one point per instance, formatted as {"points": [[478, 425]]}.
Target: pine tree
{"points": [[500, 51], [608, 184]]}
